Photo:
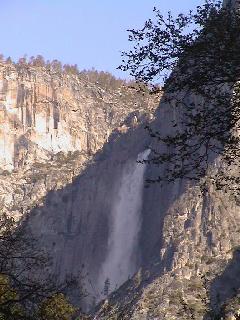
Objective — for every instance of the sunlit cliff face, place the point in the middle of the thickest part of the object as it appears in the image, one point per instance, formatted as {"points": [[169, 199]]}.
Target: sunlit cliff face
{"points": [[43, 113], [32, 120], [99, 131]]}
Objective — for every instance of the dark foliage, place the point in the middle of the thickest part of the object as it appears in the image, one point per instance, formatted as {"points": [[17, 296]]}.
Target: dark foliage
{"points": [[198, 57], [26, 282]]}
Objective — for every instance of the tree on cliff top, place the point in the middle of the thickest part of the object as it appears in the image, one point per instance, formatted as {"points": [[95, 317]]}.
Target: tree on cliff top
{"points": [[197, 56]]}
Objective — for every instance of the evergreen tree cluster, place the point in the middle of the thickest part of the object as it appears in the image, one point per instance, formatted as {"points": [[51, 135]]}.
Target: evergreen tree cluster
{"points": [[103, 78]]}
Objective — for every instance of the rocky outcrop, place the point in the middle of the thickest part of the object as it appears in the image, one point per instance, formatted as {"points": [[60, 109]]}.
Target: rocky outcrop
{"points": [[67, 144], [189, 246], [43, 113]]}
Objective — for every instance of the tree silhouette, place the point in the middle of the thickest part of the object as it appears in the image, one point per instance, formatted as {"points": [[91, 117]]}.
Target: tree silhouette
{"points": [[26, 282], [197, 56]]}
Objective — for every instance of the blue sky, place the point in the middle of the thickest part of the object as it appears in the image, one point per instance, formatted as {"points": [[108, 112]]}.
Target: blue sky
{"points": [[90, 33]]}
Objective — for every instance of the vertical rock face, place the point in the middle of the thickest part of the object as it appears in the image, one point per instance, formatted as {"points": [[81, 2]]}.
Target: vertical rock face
{"points": [[66, 144], [43, 113], [72, 144], [33, 125], [90, 229], [189, 243]]}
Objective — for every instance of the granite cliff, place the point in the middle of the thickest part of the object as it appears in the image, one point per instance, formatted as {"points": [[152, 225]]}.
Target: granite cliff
{"points": [[69, 151], [45, 112], [67, 146], [190, 249]]}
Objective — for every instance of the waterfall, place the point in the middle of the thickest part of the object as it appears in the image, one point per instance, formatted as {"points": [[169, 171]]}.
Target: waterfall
{"points": [[125, 224]]}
